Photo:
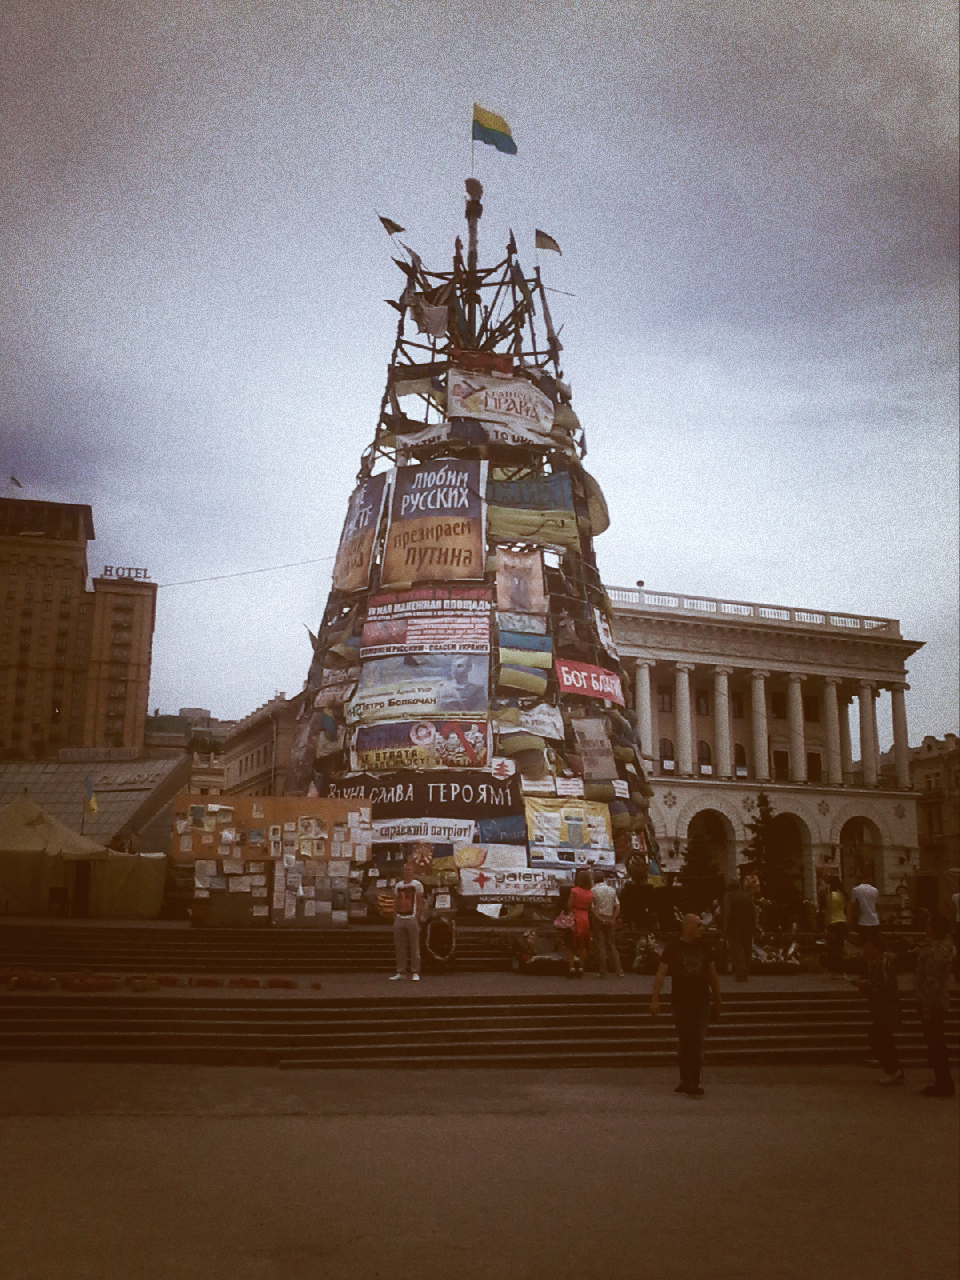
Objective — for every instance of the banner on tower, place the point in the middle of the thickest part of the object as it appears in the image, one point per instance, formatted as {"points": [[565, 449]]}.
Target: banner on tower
{"points": [[351, 570], [431, 685], [430, 620], [422, 744], [569, 833], [513, 402], [436, 531]]}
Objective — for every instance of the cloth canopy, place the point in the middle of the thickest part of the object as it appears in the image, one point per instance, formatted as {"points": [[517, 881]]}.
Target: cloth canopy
{"points": [[26, 828]]}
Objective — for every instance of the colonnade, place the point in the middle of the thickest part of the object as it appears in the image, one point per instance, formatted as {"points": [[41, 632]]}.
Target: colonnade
{"points": [[836, 697]]}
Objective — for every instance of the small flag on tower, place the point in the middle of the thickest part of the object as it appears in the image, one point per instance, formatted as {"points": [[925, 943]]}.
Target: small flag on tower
{"points": [[15, 481], [542, 241], [492, 129], [392, 228]]}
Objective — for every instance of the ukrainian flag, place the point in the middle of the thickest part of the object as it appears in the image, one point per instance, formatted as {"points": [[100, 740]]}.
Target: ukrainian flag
{"points": [[492, 129]]}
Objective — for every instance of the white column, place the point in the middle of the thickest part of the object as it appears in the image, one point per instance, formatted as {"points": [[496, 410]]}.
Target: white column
{"points": [[758, 711], [901, 750], [832, 715], [868, 750], [721, 720], [846, 750], [644, 708], [681, 704], [798, 743]]}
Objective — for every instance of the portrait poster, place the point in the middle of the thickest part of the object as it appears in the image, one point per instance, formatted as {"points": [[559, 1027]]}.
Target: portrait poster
{"points": [[437, 523], [430, 620], [413, 686], [351, 570], [421, 744], [520, 582]]}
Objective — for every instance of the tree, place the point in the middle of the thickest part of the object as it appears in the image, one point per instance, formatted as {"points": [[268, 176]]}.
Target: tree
{"points": [[772, 862]]}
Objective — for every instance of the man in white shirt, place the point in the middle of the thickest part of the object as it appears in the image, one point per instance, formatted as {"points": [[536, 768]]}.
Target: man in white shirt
{"points": [[606, 912], [408, 907], [863, 910]]}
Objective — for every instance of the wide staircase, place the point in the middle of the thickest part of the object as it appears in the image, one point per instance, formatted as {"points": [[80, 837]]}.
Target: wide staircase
{"points": [[522, 1030], [65, 948]]}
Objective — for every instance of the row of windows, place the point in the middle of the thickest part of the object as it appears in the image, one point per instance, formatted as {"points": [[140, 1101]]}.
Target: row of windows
{"points": [[781, 761], [255, 760], [703, 704]]}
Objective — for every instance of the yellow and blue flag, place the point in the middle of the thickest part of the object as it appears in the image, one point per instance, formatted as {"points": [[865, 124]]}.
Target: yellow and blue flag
{"points": [[91, 803], [492, 129]]}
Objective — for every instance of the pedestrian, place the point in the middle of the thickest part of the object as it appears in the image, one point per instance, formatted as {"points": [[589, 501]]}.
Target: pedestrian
{"points": [[835, 906], [579, 904], [606, 917], [862, 909], [739, 925], [883, 996], [408, 907], [688, 961], [931, 990]]}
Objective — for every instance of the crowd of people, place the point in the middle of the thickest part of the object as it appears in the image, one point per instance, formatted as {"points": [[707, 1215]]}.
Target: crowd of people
{"points": [[589, 915]]}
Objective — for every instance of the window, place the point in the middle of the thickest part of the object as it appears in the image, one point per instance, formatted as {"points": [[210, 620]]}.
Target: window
{"points": [[736, 704], [702, 702], [781, 766], [740, 759], [704, 758], [666, 754], [664, 697], [811, 709], [778, 706], [814, 765]]}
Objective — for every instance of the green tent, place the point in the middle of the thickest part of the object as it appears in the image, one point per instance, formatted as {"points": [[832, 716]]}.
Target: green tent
{"points": [[35, 856]]}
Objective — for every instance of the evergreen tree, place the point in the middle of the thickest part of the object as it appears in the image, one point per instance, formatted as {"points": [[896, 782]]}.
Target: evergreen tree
{"points": [[771, 862]]}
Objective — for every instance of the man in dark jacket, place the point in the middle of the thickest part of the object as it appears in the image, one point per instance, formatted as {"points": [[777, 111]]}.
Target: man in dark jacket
{"points": [[688, 961], [739, 926]]}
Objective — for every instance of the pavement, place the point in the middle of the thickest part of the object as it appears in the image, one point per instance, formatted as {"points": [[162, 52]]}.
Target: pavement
{"points": [[147, 1172]]}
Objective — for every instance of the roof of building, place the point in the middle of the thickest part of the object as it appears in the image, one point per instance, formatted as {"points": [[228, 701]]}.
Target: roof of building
{"points": [[128, 792], [66, 521]]}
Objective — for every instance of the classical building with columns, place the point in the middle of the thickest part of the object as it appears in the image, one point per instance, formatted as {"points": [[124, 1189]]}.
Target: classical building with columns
{"points": [[733, 698]]}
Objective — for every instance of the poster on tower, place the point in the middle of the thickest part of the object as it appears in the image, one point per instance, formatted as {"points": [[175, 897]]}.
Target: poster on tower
{"points": [[436, 531], [351, 570]]}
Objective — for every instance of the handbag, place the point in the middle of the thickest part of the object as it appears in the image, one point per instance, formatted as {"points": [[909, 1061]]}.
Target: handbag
{"points": [[564, 920]]}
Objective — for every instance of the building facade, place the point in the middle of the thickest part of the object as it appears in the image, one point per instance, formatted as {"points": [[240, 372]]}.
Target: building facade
{"points": [[733, 698], [256, 753], [74, 664], [935, 774]]}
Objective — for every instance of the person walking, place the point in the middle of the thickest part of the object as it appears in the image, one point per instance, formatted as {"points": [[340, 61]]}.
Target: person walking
{"points": [[862, 910], [835, 906], [883, 996], [579, 904], [931, 990], [408, 907], [606, 916], [688, 961], [739, 926]]}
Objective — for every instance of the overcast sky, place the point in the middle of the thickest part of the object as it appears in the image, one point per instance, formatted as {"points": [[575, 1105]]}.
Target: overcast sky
{"points": [[757, 209]]}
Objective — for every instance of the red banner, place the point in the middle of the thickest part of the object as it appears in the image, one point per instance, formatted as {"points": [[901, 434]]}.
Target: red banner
{"points": [[588, 681]]}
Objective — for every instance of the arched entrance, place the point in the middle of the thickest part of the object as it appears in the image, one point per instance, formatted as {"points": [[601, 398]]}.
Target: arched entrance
{"points": [[860, 845], [709, 842], [780, 863]]}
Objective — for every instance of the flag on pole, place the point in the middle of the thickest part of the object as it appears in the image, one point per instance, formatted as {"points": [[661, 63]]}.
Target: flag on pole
{"points": [[14, 480], [492, 129], [542, 241], [392, 228], [91, 804]]}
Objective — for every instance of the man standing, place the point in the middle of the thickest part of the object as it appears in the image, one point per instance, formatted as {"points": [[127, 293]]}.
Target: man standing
{"points": [[693, 977], [606, 913], [863, 910], [931, 990], [739, 926], [408, 906]]}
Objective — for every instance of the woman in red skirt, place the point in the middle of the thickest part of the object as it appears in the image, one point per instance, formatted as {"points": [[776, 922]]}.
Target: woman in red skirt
{"points": [[581, 896]]}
